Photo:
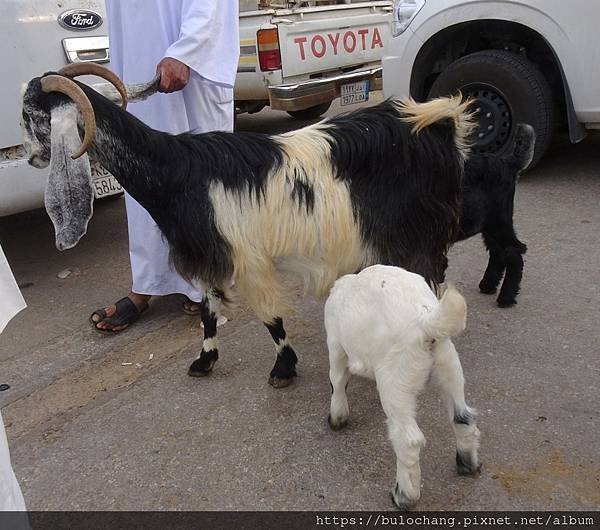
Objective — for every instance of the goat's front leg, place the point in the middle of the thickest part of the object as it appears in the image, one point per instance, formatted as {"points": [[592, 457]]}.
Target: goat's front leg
{"points": [[284, 370], [448, 374], [209, 311], [405, 435]]}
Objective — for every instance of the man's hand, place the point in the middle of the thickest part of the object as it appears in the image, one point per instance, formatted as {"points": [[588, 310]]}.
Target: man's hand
{"points": [[174, 75]]}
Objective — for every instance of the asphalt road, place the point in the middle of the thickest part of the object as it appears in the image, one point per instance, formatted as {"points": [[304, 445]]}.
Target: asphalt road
{"points": [[100, 422]]}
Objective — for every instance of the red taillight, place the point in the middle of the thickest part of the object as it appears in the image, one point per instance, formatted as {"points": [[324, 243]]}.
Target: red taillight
{"points": [[269, 56]]}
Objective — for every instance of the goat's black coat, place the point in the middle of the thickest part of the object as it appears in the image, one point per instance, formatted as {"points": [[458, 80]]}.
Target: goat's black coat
{"points": [[488, 205], [405, 187]]}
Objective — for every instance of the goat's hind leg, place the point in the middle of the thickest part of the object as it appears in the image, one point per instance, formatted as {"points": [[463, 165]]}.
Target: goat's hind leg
{"points": [[513, 275], [339, 375], [495, 268], [284, 371], [448, 374], [405, 435], [210, 309]]}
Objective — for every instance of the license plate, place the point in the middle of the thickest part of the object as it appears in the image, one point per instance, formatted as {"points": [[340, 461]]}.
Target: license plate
{"points": [[354, 93], [104, 183]]}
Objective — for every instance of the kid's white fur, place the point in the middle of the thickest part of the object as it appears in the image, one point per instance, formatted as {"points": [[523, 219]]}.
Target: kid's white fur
{"points": [[385, 323]]}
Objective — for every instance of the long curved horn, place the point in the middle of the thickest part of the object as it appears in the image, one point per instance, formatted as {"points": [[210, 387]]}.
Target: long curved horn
{"points": [[58, 83], [76, 69]]}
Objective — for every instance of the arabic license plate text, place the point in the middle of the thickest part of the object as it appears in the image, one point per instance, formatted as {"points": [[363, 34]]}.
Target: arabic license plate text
{"points": [[354, 93], [104, 183]]}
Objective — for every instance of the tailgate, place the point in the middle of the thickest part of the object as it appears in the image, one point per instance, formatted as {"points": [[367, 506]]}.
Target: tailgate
{"points": [[315, 40]]}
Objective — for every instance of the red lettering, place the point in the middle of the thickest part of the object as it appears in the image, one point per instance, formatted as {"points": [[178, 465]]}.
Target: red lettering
{"points": [[334, 42], [301, 41], [363, 33], [376, 39], [349, 36], [313, 46]]}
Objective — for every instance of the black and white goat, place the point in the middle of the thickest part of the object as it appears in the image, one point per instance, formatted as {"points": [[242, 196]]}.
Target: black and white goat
{"points": [[385, 323], [488, 204], [380, 185]]}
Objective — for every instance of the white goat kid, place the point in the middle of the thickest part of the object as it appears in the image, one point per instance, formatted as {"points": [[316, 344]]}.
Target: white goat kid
{"points": [[385, 323]]}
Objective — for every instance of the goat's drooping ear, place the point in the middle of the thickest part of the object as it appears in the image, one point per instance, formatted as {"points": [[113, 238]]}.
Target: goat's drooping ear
{"points": [[69, 194]]}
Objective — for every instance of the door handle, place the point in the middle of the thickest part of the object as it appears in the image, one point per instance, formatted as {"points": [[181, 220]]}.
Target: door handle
{"points": [[87, 49]]}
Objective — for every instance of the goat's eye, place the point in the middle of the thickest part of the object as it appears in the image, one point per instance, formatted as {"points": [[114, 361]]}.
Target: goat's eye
{"points": [[25, 116]]}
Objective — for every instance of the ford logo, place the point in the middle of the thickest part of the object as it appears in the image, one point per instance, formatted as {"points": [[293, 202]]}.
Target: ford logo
{"points": [[80, 19]]}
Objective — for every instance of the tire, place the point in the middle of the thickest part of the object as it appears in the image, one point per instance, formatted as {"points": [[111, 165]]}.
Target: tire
{"points": [[509, 89], [311, 113]]}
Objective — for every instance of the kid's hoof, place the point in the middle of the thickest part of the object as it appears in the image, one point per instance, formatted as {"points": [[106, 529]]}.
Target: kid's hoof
{"points": [[337, 424], [279, 382], [402, 502], [465, 465]]}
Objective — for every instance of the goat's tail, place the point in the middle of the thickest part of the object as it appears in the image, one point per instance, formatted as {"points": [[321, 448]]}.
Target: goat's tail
{"points": [[453, 108], [522, 154], [449, 318]]}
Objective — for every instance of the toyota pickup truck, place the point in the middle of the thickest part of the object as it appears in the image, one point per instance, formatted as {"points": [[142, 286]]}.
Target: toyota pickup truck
{"points": [[37, 36], [533, 61], [300, 56]]}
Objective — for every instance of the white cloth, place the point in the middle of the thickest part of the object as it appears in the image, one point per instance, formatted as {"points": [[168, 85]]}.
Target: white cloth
{"points": [[11, 302], [204, 34], [11, 498]]}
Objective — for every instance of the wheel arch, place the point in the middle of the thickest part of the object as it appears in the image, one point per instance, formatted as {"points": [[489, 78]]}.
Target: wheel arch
{"points": [[450, 43]]}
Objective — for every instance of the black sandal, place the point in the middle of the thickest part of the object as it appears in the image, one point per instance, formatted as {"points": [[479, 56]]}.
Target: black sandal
{"points": [[126, 314]]}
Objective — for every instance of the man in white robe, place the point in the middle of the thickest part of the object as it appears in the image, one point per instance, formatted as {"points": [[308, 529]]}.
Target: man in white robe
{"points": [[11, 302], [194, 45]]}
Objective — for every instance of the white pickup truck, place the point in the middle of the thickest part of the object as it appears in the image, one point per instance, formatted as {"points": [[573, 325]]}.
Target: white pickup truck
{"points": [[37, 36], [300, 56], [533, 61]]}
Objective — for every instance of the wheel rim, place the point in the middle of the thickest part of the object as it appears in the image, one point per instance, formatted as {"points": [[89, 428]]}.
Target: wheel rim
{"points": [[494, 118]]}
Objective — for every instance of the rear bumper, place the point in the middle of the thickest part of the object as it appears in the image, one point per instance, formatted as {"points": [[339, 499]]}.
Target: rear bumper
{"points": [[21, 187], [306, 94]]}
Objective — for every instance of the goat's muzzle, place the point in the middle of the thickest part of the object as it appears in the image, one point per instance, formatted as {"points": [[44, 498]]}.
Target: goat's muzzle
{"points": [[58, 83]]}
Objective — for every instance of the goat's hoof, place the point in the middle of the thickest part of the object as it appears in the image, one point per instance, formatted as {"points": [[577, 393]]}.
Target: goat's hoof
{"points": [[402, 502], [467, 465], [280, 382], [339, 423], [201, 368], [503, 302], [487, 289]]}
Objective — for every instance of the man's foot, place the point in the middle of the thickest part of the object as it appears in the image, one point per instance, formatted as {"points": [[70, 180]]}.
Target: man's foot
{"points": [[121, 315], [190, 307]]}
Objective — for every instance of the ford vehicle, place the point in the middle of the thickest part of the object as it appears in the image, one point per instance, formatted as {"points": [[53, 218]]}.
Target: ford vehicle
{"points": [[299, 56], [533, 61], [37, 36]]}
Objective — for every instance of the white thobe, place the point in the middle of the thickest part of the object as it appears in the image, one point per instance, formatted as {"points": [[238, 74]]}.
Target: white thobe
{"points": [[11, 302], [204, 34]]}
